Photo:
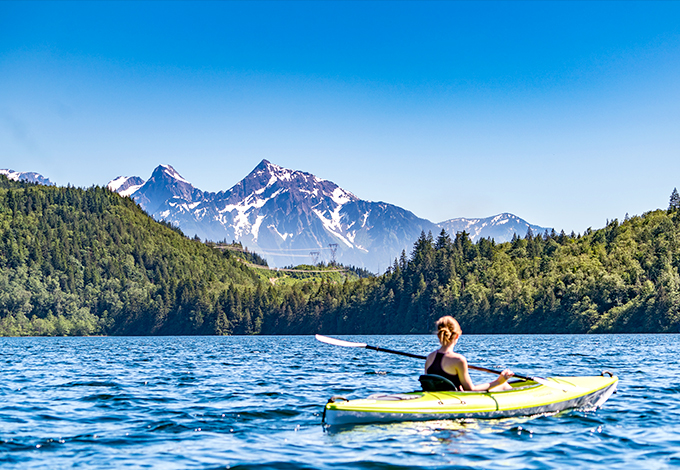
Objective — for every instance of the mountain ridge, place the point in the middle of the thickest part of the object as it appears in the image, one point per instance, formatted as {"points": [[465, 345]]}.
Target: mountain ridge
{"points": [[291, 216], [500, 227], [28, 176]]}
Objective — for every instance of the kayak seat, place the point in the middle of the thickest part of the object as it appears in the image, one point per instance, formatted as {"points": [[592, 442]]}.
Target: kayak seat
{"points": [[436, 383]]}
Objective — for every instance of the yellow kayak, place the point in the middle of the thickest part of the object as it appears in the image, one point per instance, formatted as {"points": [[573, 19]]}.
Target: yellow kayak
{"points": [[526, 398]]}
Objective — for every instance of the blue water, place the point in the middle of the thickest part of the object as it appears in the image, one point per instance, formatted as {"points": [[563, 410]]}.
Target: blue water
{"points": [[256, 403]]}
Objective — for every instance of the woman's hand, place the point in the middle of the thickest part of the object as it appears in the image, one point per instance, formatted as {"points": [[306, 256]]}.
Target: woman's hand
{"points": [[505, 375], [500, 380]]}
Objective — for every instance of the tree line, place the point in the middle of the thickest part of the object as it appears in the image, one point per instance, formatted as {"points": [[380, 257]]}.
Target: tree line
{"points": [[621, 278], [87, 261]]}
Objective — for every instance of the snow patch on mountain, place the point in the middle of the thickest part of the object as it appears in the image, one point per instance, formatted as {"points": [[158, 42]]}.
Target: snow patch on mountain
{"points": [[116, 183], [27, 176], [255, 229], [283, 236], [126, 185], [342, 197], [172, 173]]}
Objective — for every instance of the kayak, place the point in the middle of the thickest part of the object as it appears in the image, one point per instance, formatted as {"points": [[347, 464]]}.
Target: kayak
{"points": [[526, 398]]}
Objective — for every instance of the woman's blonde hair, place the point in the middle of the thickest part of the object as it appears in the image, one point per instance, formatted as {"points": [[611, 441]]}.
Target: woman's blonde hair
{"points": [[447, 330]]}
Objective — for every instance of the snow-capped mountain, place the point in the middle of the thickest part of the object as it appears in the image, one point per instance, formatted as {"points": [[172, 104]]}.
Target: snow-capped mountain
{"points": [[29, 176], [126, 185], [501, 227], [283, 215], [293, 217], [165, 186]]}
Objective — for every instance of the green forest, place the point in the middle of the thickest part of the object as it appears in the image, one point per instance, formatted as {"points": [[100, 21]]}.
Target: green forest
{"points": [[89, 262]]}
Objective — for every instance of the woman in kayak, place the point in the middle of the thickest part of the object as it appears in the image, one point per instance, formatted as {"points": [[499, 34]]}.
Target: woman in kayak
{"points": [[448, 364]]}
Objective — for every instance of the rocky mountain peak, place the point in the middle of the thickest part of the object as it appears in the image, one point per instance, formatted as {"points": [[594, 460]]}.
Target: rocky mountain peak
{"points": [[269, 180], [167, 172], [165, 184]]}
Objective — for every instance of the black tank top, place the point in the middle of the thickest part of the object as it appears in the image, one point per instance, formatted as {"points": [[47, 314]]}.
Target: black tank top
{"points": [[436, 369]]}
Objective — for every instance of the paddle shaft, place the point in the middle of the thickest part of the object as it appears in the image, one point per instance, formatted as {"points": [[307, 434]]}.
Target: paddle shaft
{"points": [[392, 351], [417, 356]]}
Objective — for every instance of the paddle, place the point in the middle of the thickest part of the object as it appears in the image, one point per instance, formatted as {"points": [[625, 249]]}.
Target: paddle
{"points": [[350, 344]]}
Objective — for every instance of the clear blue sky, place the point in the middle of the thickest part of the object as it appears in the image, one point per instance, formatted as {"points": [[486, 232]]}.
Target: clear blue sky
{"points": [[565, 114]]}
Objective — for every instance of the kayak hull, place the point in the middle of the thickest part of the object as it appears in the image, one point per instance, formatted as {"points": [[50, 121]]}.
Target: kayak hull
{"points": [[526, 398]]}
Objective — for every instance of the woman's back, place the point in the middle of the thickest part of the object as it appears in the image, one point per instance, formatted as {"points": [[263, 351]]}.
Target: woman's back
{"points": [[437, 368]]}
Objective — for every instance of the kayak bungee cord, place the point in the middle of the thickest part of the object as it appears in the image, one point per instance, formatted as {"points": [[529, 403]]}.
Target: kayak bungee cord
{"points": [[351, 344]]}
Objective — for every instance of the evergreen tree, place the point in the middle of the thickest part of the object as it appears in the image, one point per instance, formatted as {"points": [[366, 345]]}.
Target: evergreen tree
{"points": [[443, 241], [675, 200]]}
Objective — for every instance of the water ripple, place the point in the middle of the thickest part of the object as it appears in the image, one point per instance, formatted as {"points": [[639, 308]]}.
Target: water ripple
{"points": [[256, 403]]}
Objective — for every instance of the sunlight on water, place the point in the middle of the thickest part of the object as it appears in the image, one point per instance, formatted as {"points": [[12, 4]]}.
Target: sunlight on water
{"points": [[256, 402]]}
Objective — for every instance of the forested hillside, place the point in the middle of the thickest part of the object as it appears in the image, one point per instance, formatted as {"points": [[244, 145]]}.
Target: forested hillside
{"points": [[76, 261], [622, 278], [81, 262]]}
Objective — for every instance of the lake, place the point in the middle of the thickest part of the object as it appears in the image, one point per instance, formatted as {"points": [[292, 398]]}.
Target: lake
{"points": [[256, 402]]}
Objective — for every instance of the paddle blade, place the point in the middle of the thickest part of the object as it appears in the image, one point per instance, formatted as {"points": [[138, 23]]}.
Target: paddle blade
{"points": [[339, 342]]}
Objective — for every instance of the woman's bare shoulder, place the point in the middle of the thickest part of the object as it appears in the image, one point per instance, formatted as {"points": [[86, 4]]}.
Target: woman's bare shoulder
{"points": [[453, 357]]}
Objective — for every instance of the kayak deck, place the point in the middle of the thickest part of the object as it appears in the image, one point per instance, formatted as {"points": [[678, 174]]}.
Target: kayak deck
{"points": [[525, 398]]}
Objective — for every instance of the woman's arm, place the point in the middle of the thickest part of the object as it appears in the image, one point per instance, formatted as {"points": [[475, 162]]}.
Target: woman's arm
{"points": [[466, 381]]}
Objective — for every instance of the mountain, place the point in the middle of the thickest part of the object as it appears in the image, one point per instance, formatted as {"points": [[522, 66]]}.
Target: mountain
{"points": [[291, 217], [283, 215], [29, 176], [126, 185], [501, 227], [165, 186]]}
